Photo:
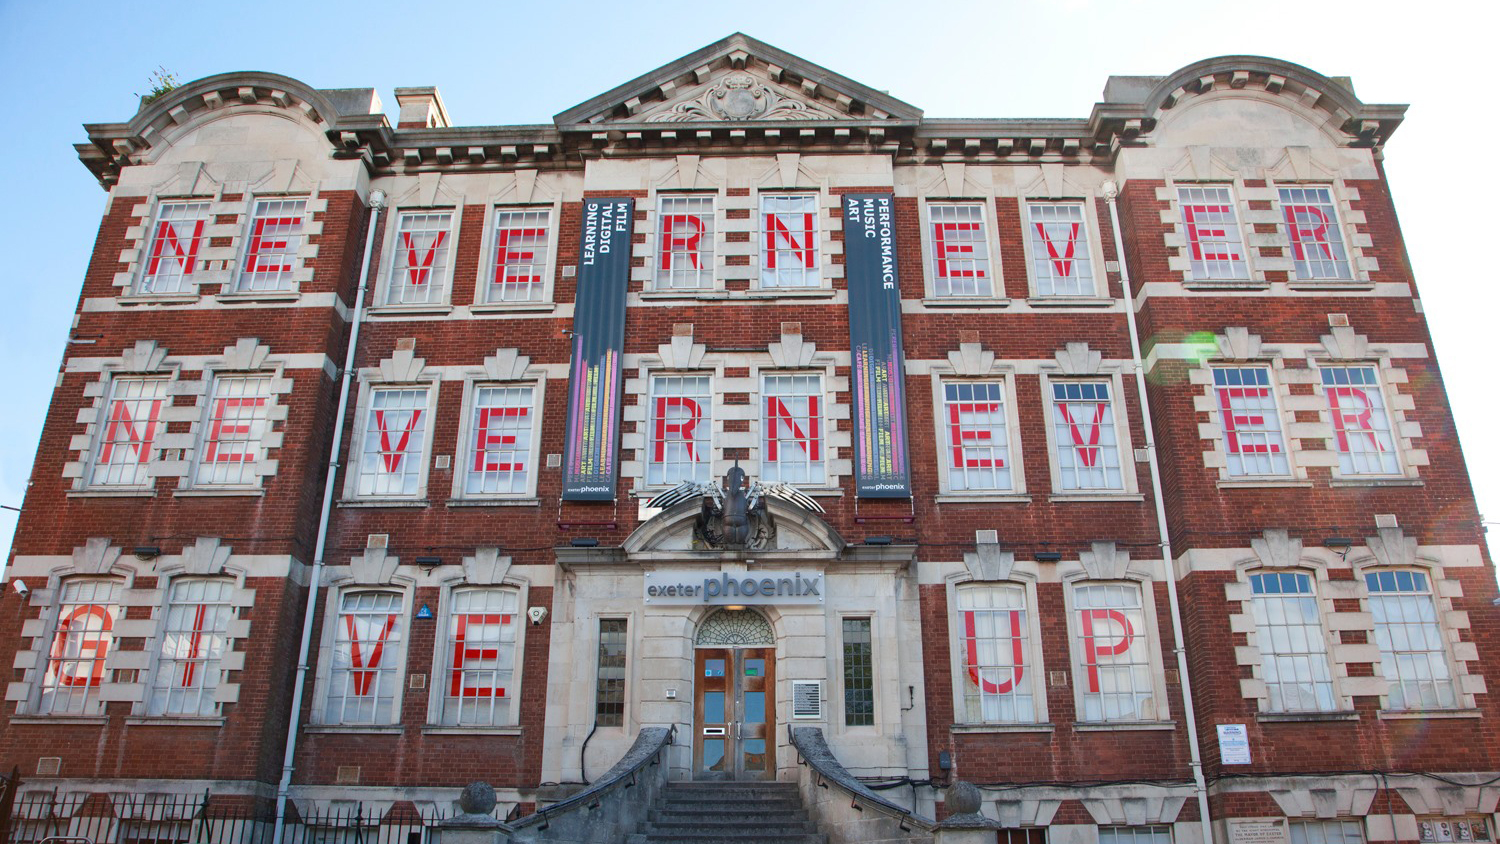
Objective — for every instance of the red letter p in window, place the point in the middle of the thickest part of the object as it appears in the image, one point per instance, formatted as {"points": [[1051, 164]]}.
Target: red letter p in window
{"points": [[1094, 645]]}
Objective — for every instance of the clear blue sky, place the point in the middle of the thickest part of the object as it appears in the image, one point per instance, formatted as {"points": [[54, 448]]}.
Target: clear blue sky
{"points": [[69, 63]]}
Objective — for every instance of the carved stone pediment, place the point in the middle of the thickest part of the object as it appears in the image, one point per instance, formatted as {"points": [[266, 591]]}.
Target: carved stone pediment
{"points": [[737, 95]]}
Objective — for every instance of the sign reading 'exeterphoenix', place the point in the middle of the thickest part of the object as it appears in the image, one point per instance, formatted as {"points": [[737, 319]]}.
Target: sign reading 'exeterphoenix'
{"points": [[722, 587]]}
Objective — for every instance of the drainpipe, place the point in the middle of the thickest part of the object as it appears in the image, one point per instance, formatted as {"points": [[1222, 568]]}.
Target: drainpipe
{"points": [[377, 201], [1200, 785]]}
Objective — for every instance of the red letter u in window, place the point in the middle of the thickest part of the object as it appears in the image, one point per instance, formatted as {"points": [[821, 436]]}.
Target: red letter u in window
{"points": [[1017, 654]]}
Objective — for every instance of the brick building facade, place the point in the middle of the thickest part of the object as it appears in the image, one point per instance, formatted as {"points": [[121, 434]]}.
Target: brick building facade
{"points": [[1180, 459]]}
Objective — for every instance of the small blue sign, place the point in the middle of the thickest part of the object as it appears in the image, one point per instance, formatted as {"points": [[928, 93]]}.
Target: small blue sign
{"points": [[424, 612]]}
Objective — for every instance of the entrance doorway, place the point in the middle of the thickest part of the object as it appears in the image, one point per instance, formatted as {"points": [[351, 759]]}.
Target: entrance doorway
{"points": [[734, 698]]}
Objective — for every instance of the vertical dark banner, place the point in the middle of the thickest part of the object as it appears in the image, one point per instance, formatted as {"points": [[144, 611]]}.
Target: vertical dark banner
{"points": [[881, 465], [591, 453]]}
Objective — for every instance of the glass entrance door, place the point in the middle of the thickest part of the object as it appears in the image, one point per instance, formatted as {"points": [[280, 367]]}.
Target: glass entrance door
{"points": [[734, 714]]}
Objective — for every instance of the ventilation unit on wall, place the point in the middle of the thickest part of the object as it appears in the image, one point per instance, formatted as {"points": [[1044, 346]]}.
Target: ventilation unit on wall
{"points": [[807, 698]]}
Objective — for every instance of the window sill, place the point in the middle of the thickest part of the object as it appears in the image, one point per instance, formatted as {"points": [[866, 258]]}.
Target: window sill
{"points": [[964, 302], [1304, 717], [112, 493], [821, 491], [159, 299], [355, 729], [511, 307], [1069, 302], [1108, 726], [791, 293], [494, 502], [1351, 482], [259, 296], [982, 498], [440, 730], [409, 310], [701, 294], [384, 502], [1225, 284], [173, 721], [961, 729], [219, 493], [1315, 286], [1413, 714], [1266, 483], [79, 720], [1096, 496]]}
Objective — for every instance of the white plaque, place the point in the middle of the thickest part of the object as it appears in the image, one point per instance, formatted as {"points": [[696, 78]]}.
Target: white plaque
{"points": [[1234, 744], [1257, 832]]}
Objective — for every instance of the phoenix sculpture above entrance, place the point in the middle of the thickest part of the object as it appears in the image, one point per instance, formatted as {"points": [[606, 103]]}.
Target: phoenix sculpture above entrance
{"points": [[734, 514]]}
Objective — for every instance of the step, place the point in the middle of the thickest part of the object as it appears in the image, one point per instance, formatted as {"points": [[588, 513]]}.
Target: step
{"points": [[696, 827], [743, 815], [750, 837]]}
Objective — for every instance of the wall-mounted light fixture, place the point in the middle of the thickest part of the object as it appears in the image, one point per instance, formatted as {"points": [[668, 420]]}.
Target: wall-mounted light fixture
{"points": [[146, 552], [878, 540], [583, 542], [428, 563], [1048, 556]]}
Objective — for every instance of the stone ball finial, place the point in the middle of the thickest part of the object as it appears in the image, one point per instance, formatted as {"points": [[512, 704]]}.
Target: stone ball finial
{"points": [[963, 798], [478, 798]]}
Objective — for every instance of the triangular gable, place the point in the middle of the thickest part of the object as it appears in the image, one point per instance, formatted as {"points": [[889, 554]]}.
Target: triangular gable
{"points": [[737, 79]]}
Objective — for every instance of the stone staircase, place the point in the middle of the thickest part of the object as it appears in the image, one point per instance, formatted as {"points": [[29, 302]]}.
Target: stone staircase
{"points": [[728, 813]]}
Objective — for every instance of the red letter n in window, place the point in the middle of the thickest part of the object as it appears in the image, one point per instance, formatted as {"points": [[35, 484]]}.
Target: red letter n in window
{"points": [[779, 415], [166, 238], [120, 430], [777, 229]]}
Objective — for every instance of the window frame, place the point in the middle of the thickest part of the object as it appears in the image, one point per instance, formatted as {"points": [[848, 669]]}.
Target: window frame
{"points": [[332, 611], [1012, 422], [392, 246], [1277, 392], [1134, 831], [1154, 666], [356, 447], [104, 421], [93, 704], [1304, 824], [712, 401], [1393, 422], [206, 425], [1124, 440], [1035, 656], [626, 664], [822, 275], [716, 243], [1246, 259], [1089, 226], [764, 431], [188, 282], [241, 284], [488, 252], [869, 618], [989, 229], [442, 664], [1346, 232], [1446, 637], [1322, 606], [464, 452], [160, 663]]}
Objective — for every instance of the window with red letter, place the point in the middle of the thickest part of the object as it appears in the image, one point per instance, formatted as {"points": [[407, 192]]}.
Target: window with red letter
{"points": [[1361, 426], [976, 437], [685, 243], [681, 409], [81, 641], [126, 436], [238, 419], [393, 448], [994, 647], [419, 258], [1112, 650], [1061, 263], [271, 246], [369, 653], [789, 241], [1083, 429], [1215, 249], [520, 252], [170, 256], [194, 639], [1246, 404], [499, 460], [480, 688], [793, 425], [1311, 222], [960, 250]]}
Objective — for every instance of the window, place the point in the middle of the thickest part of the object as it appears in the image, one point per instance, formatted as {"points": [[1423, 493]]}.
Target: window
{"points": [[793, 428], [994, 640], [1246, 402], [270, 261], [1159, 834], [1023, 835], [1083, 428], [685, 250], [609, 689], [1061, 263], [789, 244], [86, 616], [519, 262], [1312, 228], [1447, 829], [960, 250], [420, 258], [500, 441], [1113, 653], [1412, 654], [681, 411], [1326, 832], [393, 446], [368, 653], [238, 420], [195, 637], [1361, 426], [480, 687], [859, 676], [1215, 249], [127, 434], [977, 439], [1293, 648], [173, 248]]}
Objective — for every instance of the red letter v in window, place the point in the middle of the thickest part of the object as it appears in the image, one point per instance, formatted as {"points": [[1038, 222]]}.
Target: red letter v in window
{"points": [[391, 456], [417, 269], [1062, 263], [366, 667], [1087, 444]]}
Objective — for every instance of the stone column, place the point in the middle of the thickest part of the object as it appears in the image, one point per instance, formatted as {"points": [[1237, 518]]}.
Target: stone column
{"points": [[964, 824], [477, 825]]}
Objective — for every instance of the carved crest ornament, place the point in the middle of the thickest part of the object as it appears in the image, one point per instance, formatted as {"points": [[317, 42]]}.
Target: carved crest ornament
{"points": [[733, 515], [738, 96]]}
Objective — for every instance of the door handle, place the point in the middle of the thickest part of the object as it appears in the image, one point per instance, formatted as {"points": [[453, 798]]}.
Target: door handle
{"points": [[736, 730]]}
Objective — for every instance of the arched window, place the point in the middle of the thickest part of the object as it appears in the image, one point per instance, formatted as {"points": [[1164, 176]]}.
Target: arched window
{"points": [[1294, 650], [731, 628]]}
